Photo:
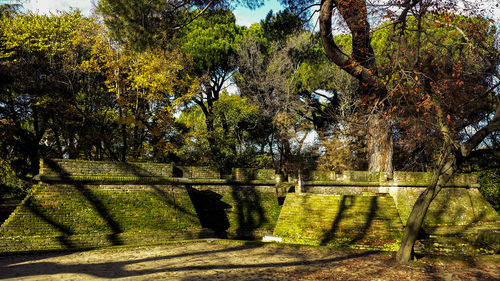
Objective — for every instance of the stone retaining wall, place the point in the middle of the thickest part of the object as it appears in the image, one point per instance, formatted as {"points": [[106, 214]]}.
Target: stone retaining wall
{"points": [[85, 204]]}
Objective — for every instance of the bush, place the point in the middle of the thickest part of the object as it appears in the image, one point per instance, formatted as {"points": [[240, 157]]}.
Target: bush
{"points": [[490, 186], [11, 186]]}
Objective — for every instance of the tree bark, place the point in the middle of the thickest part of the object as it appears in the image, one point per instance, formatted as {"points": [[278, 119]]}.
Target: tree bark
{"points": [[361, 65], [417, 215], [380, 145]]}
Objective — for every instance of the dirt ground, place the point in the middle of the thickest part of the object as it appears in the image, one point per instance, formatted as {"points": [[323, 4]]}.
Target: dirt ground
{"points": [[232, 260]]}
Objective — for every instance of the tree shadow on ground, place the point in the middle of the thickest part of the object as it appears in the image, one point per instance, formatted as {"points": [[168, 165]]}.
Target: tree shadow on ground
{"points": [[18, 267]]}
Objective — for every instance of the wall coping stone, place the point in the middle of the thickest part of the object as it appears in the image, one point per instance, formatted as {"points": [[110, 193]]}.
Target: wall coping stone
{"points": [[96, 172]]}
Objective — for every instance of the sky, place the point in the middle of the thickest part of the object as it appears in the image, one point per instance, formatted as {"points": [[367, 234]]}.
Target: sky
{"points": [[244, 16]]}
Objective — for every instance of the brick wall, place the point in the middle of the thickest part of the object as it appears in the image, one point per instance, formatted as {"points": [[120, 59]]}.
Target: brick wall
{"points": [[338, 220], [361, 207], [80, 215], [84, 168]]}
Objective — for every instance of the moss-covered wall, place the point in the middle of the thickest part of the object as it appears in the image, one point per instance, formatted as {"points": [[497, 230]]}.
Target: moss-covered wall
{"points": [[237, 211], [89, 204], [81, 215], [253, 174], [96, 215], [364, 179], [453, 209], [80, 167], [339, 220], [196, 172]]}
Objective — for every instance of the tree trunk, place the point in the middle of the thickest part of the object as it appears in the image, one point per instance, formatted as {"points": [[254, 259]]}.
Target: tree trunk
{"points": [[361, 65], [453, 156], [413, 225], [417, 215], [440, 178], [380, 145]]}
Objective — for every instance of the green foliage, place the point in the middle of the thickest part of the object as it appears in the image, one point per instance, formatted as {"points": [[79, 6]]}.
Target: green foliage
{"points": [[85, 96], [211, 40], [39, 87], [47, 36], [142, 24], [278, 27], [153, 24], [11, 186], [235, 123], [489, 181]]}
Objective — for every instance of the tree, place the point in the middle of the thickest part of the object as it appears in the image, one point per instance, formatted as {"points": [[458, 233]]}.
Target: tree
{"points": [[236, 133], [38, 87], [362, 65], [70, 91], [277, 27], [9, 9], [211, 40], [433, 83], [145, 23], [357, 16], [283, 76], [453, 83], [263, 76], [203, 30], [148, 87]]}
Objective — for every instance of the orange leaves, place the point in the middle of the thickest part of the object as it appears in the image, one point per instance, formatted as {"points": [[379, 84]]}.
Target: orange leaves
{"points": [[389, 14], [426, 104]]}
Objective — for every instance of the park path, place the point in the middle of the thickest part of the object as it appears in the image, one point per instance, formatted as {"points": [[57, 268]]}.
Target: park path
{"points": [[228, 260]]}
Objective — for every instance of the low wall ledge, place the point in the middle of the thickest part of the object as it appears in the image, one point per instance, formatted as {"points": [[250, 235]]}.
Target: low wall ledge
{"points": [[147, 180]]}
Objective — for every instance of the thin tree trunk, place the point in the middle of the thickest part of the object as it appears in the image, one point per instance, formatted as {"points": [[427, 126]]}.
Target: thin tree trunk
{"points": [[447, 166], [124, 138], [417, 215], [453, 156]]}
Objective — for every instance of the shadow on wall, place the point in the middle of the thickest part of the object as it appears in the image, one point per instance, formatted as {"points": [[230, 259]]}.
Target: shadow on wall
{"points": [[96, 204], [439, 224], [238, 213], [356, 233], [338, 220], [211, 210], [360, 219], [369, 217], [109, 216], [249, 211], [234, 211], [66, 232]]}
